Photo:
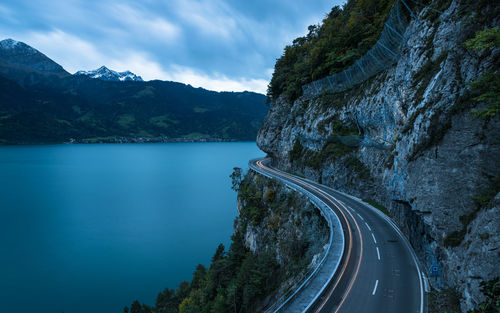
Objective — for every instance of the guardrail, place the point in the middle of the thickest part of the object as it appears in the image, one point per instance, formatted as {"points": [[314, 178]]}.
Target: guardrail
{"points": [[333, 222]]}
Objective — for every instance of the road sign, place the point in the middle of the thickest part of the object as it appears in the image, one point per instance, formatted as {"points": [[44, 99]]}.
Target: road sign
{"points": [[435, 270]]}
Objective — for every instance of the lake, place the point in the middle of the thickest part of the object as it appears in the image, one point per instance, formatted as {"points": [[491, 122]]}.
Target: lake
{"points": [[90, 228]]}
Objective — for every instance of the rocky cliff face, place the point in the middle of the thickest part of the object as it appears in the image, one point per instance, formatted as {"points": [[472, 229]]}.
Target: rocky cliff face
{"points": [[280, 222], [408, 139]]}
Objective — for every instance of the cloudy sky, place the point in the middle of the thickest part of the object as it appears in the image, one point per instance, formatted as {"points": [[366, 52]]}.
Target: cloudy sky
{"points": [[215, 44]]}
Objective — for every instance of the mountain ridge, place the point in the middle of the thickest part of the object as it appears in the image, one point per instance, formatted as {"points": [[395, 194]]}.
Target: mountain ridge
{"points": [[53, 106], [18, 57]]}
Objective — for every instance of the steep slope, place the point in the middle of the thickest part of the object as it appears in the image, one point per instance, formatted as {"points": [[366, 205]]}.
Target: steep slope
{"points": [[420, 137], [24, 64]]}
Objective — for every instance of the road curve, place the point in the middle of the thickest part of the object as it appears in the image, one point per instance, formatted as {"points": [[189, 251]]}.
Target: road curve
{"points": [[379, 271]]}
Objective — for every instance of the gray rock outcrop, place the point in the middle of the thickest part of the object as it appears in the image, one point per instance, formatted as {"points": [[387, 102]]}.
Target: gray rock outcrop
{"points": [[417, 149]]}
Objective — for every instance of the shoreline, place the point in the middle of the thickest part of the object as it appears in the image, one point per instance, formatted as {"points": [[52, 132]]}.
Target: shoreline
{"points": [[125, 140]]}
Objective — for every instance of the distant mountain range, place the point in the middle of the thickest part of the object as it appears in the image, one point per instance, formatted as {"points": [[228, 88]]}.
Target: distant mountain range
{"points": [[104, 73], [40, 102]]}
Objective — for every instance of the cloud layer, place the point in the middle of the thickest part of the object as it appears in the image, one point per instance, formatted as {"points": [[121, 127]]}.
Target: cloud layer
{"points": [[214, 44]]}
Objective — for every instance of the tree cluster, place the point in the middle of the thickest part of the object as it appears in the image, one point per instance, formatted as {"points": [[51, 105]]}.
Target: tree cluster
{"points": [[345, 35], [236, 281]]}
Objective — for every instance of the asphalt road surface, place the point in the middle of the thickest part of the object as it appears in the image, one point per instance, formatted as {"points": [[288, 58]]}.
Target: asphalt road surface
{"points": [[379, 271]]}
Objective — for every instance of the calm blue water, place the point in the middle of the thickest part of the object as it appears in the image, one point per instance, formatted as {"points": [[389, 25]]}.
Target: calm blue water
{"points": [[90, 228]]}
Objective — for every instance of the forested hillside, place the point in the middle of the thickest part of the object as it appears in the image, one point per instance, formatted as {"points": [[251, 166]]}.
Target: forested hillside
{"points": [[41, 103]]}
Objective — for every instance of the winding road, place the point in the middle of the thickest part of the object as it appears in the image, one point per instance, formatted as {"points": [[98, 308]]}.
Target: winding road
{"points": [[378, 272]]}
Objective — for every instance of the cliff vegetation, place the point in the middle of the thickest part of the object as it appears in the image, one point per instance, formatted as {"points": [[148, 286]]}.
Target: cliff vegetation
{"points": [[279, 235], [344, 35]]}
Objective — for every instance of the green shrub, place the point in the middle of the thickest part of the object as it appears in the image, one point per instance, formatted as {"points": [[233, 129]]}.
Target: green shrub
{"points": [[487, 91], [355, 165], [491, 291], [484, 39], [269, 195], [483, 199], [296, 152]]}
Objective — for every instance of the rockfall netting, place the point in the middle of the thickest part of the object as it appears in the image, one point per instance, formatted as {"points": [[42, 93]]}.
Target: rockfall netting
{"points": [[380, 57]]}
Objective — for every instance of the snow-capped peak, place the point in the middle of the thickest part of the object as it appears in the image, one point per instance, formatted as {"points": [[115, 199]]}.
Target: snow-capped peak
{"points": [[8, 43], [104, 73]]}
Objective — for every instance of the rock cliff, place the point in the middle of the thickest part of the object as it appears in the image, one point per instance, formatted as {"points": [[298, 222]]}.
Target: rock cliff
{"points": [[410, 138], [280, 222]]}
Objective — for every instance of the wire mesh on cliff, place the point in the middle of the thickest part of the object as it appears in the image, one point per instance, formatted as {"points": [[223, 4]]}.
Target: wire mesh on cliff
{"points": [[380, 57]]}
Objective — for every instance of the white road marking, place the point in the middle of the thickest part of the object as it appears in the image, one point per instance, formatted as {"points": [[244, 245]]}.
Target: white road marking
{"points": [[368, 226], [375, 288], [378, 254], [360, 216], [374, 240]]}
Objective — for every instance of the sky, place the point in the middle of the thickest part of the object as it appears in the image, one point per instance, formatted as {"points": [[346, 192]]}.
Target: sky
{"points": [[222, 45]]}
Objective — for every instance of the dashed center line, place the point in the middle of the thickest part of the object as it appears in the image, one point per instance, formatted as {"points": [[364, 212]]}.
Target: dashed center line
{"points": [[375, 288], [378, 254], [368, 226], [360, 216], [374, 240]]}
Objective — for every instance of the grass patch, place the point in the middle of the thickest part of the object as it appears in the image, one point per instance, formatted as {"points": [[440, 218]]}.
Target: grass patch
{"points": [[295, 174], [200, 110], [163, 121], [194, 135], [126, 120], [149, 92], [144, 133], [378, 206]]}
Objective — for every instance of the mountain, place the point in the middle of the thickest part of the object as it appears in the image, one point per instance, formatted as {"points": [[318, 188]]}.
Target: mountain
{"points": [[24, 64], [103, 73], [41, 103]]}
